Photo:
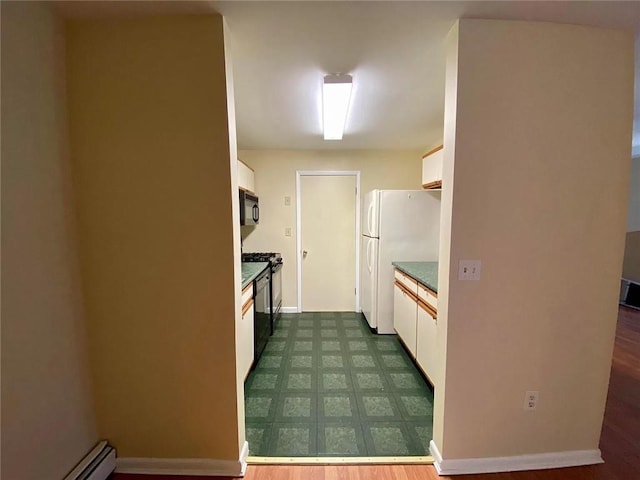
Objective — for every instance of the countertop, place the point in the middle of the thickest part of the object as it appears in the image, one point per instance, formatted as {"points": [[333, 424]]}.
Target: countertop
{"points": [[424, 272], [250, 270]]}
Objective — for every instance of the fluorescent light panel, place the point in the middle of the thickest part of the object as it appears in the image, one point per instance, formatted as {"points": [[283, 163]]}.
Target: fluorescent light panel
{"points": [[336, 93]]}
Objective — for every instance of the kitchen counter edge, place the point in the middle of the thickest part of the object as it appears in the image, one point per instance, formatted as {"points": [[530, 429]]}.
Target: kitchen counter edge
{"points": [[425, 273], [250, 270]]}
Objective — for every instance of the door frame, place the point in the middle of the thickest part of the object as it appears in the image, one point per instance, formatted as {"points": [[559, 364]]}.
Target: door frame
{"points": [[326, 173]]}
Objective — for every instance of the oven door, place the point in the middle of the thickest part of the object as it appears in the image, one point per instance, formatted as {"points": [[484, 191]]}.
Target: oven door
{"points": [[276, 294]]}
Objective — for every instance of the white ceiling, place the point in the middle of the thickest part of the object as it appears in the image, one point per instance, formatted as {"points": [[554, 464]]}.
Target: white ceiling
{"points": [[394, 50]]}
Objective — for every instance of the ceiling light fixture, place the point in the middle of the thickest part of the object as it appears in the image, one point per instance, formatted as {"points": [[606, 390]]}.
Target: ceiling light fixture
{"points": [[336, 93]]}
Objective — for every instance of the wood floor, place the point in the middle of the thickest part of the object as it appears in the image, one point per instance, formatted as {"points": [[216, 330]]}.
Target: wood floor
{"points": [[620, 441]]}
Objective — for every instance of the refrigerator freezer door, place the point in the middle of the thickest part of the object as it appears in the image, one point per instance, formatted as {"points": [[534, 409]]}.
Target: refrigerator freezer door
{"points": [[403, 215], [369, 279], [371, 212]]}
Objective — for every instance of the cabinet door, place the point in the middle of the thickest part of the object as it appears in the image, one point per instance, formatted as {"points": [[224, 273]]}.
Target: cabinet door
{"points": [[246, 177], [404, 318], [432, 169], [245, 357], [426, 355]]}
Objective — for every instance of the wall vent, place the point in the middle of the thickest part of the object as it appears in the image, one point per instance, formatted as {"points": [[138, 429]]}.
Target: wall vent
{"points": [[96, 465]]}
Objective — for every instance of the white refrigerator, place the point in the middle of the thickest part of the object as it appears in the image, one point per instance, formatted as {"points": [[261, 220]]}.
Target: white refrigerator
{"points": [[397, 225]]}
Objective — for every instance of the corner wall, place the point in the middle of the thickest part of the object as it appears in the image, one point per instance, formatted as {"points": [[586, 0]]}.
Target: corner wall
{"points": [[538, 136], [48, 421], [154, 184]]}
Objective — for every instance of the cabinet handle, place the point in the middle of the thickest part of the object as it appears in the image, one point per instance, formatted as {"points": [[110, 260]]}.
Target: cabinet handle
{"points": [[428, 309]]}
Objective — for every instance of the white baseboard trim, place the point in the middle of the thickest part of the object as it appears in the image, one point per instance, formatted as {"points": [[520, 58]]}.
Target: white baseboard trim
{"points": [[289, 309], [538, 461], [185, 466]]}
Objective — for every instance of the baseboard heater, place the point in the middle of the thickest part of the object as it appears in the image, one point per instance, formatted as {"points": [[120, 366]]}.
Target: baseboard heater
{"points": [[96, 465]]}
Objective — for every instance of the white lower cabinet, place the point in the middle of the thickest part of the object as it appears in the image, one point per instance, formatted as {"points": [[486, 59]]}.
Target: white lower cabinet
{"points": [[415, 321], [426, 356], [404, 317], [245, 331]]}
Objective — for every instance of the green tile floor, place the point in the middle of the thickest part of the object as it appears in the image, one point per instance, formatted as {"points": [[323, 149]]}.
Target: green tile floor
{"points": [[326, 386]]}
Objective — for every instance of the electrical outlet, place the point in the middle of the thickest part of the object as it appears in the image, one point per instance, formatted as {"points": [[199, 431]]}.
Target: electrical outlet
{"points": [[287, 231], [469, 270], [531, 400], [287, 202]]}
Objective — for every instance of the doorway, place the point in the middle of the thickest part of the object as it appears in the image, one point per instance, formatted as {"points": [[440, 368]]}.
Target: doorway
{"points": [[327, 389], [328, 226]]}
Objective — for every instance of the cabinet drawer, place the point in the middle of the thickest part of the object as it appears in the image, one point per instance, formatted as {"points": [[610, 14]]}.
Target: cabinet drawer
{"points": [[428, 296], [247, 294], [406, 281], [247, 307]]}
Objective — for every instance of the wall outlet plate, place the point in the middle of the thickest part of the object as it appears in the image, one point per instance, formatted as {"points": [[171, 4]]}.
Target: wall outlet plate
{"points": [[469, 270], [531, 399]]}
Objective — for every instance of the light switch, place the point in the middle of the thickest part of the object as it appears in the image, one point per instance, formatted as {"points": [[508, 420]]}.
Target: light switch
{"points": [[469, 270], [287, 231], [287, 202]]}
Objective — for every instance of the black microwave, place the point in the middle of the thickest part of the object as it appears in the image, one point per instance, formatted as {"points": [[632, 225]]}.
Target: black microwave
{"points": [[249, 209]]}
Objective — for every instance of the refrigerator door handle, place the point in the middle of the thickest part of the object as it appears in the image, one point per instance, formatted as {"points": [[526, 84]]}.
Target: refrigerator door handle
{"points": [[370, 219], [369, 244]]}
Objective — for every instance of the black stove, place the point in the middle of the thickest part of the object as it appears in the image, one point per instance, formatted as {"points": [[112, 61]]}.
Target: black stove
{"points": [[275, 281], [271, 257]]}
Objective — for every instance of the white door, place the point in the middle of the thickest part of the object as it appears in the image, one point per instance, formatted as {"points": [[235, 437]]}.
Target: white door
{"points": [[328, 242]]}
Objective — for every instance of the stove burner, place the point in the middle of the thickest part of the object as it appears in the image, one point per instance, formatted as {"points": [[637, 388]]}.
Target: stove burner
{"points": [[270, 257]]}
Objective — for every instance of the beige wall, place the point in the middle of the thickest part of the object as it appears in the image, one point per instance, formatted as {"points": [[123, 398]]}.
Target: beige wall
{"points": [[154, 186], [533, 199], [48, 423], [241, 341], [446, 203], [275, 173]]}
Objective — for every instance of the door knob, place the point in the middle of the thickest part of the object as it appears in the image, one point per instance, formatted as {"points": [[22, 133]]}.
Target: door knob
{"points": [[304, 254]]}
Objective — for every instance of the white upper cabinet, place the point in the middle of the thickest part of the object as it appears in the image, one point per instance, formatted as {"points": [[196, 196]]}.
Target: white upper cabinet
{"points": [[246, 177], [432, 168]]}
